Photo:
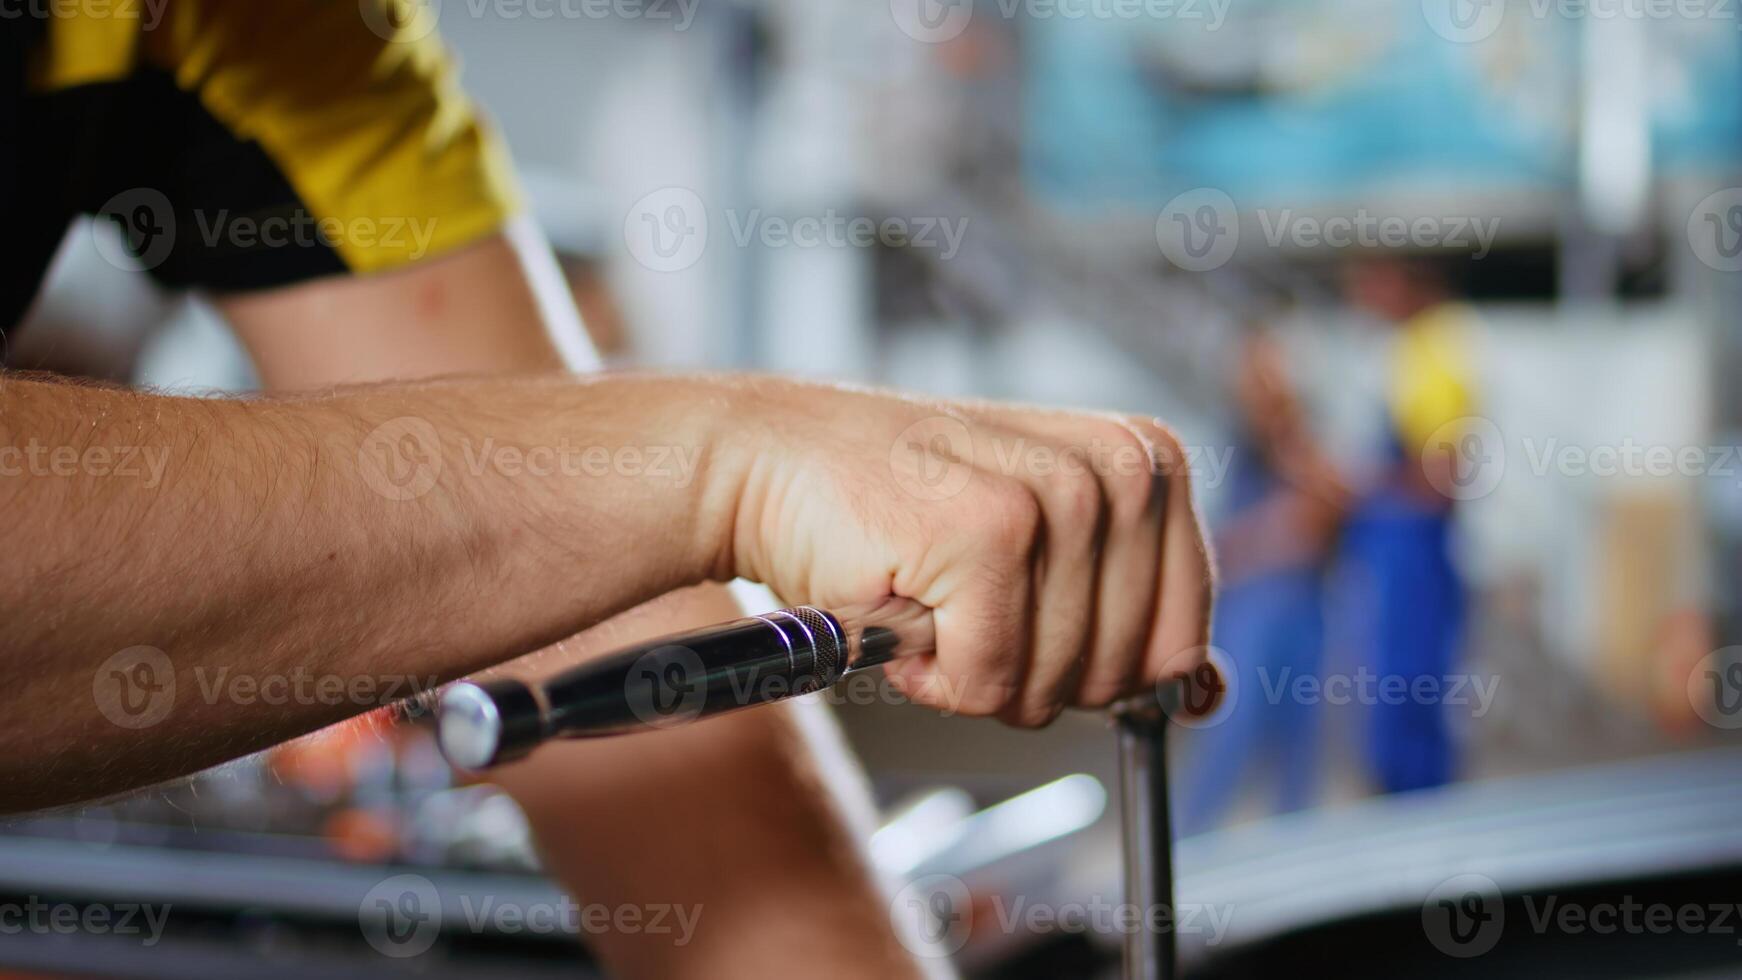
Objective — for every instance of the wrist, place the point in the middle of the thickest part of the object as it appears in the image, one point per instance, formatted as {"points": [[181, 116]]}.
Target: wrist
{"points": [[563, 500], [655, 464], [719, 418]]}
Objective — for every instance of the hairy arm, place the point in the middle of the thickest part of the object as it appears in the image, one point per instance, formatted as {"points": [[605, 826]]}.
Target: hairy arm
{"points": [[323, 547], [617, 819]]}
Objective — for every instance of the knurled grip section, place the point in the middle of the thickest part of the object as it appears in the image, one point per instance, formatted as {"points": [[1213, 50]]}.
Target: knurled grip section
{"points": [[826, 638]]}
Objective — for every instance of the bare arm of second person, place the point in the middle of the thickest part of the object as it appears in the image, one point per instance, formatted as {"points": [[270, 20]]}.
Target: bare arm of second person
{"points": [[615, 818]]}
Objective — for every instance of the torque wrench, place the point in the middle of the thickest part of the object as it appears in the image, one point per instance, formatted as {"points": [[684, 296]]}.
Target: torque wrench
{"points": [[678, 679]]}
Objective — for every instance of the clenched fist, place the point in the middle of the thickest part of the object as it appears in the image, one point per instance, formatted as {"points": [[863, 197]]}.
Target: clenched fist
{"points": [[1061, 551]]}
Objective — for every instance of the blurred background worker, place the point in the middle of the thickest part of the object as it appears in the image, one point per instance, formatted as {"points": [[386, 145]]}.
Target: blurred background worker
{"points": [[1284, 505], [1399, 547]]}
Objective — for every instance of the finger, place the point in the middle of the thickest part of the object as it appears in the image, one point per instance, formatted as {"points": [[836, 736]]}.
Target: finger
{"points": [[979, 580], [1130, 574], [1128, 550], [1067, 566], [1187, 584]]}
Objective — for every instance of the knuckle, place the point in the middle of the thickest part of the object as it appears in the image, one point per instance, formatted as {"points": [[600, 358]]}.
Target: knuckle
{"points": [[1078, 499], [1037, 714], [1133, 484], [1167, 454], [1012, 514], [1040, 716], [1100, 693], [986, 697]]}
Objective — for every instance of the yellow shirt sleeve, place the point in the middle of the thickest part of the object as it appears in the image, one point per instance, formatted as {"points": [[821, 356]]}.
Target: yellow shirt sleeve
{"points": [[1430, 384], [356, 102]]}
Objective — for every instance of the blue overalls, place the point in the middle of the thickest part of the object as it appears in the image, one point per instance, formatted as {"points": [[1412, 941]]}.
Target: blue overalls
{"points": [[1272, 627]]}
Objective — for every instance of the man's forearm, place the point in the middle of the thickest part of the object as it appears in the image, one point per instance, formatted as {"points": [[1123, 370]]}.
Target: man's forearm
{"points": [[293, 560]]}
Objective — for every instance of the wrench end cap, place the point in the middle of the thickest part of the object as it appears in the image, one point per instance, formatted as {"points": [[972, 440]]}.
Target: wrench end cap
{"points": [[483, 725]]}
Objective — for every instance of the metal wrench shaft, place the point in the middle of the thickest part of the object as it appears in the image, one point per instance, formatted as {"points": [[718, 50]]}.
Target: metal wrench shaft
{"points": [[678, 679]]}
